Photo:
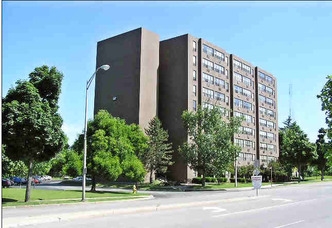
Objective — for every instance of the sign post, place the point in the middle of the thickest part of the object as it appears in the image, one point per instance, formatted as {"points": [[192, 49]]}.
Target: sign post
{"points": [[256, 182]]}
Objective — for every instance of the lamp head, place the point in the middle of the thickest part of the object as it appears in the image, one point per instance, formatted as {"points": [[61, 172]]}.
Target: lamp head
{"points": [[105, 67]]}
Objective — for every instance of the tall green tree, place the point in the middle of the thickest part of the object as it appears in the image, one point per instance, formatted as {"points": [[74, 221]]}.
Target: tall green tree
{"points": [[159, 154], [209, 147], [112, 149], [322, 151], [295, 148], [326, 98], [31, 124]]}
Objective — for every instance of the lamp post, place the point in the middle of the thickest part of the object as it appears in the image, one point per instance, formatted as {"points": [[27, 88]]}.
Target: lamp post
{"points": [[271, 175], [105, 68]]}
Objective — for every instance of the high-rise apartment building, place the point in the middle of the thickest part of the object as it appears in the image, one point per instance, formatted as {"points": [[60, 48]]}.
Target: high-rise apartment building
{"points": [[186, 72]]}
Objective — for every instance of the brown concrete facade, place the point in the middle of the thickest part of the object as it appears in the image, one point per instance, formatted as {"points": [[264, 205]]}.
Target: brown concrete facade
{"points": [[176, 95], [129, 88], [267, 116], [165, 78], [244, 104]]}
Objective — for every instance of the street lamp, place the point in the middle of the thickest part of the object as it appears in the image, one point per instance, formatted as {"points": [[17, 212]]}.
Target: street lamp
{"points": [[271, 175], [105, 68]]}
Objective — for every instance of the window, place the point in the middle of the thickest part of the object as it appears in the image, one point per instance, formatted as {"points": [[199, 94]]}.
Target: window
{"points": [[219, 82], [219, 69], [208, 50], [262, 122], [247, 118], [194, 105], [247, 93], [246, 81], [238, 102], [194, 90], [207, 64], [219, 55], [208, 78], [207, 105], [226, 60], [265, 77], [237, 89], [237, 64], [262, 134], [271, 124], [271, 147], [207, 92], [246, 68], [194, 75], [247, 105], [226, 72], [262, 146], [246, 130], [194, 60], [239, 142], [219, 96], [194, 45], [241, 78], [270, 135], [269, 90]]}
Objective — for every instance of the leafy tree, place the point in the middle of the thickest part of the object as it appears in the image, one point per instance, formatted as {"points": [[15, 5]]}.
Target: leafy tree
{"points": [[159, 154], [210, 147], [41, 168], [12, 168], [322, 151], [112, 148], [133, 168], [295, 148], [73, 165], [31, 125], [326, 98]]}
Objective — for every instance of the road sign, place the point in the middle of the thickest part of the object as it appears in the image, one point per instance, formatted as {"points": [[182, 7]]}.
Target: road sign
{"points": [[256, 172], [256, 163], [256, 181]]}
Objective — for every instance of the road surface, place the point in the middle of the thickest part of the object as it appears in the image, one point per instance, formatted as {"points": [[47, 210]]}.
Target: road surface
{"points": [[306, 205]]}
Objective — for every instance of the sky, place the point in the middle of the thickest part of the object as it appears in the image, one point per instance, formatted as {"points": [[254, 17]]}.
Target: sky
{"points": [[292, 40]]}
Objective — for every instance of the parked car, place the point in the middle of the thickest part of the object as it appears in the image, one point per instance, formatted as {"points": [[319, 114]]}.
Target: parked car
{"points": [[46, 177], [18, 180], [6, 183], [79, 178]]}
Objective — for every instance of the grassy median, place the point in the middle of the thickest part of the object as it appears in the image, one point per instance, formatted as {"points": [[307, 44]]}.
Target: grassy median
{"points": [[15, 196]]}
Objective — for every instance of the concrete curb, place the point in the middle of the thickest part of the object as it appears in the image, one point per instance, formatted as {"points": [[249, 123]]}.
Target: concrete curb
{"points": [[23, 221]]}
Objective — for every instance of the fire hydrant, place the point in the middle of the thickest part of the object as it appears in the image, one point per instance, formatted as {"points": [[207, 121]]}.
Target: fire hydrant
{"points": [[134, 189]]}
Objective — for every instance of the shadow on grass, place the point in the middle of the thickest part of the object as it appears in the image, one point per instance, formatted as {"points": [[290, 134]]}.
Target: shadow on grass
{"points": [[7, 200], [100, 192]]}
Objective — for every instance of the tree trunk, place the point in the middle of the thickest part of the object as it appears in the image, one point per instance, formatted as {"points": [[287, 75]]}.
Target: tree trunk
{"points": [[322, 174], [29, 179], [299, 171], [93, 185], [203, 179], [151, 171]]}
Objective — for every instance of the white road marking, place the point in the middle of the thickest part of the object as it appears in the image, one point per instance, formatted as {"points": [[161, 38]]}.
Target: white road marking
{"points": [[289, 224], [263, 208], [214, 209], [280, 199]]}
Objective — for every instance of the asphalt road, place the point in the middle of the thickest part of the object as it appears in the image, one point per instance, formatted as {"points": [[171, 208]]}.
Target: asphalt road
{"points": [[307, 205]]}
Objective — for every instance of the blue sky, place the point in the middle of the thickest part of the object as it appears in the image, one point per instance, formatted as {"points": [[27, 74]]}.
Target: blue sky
{"points": [[292, 40]]}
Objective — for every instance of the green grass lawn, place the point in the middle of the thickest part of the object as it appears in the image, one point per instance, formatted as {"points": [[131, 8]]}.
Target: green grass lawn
{"points": [[15, 196]]}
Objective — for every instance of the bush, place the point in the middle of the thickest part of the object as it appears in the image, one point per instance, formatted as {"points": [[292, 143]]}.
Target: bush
{"points": [[210, 179], [240, 180], [222, 179], [197, 180]]}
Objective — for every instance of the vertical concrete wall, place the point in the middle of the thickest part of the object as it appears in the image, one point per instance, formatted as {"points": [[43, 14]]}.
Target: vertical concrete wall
{"points": [[173, 97], [129, 88], [148, 77]]}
